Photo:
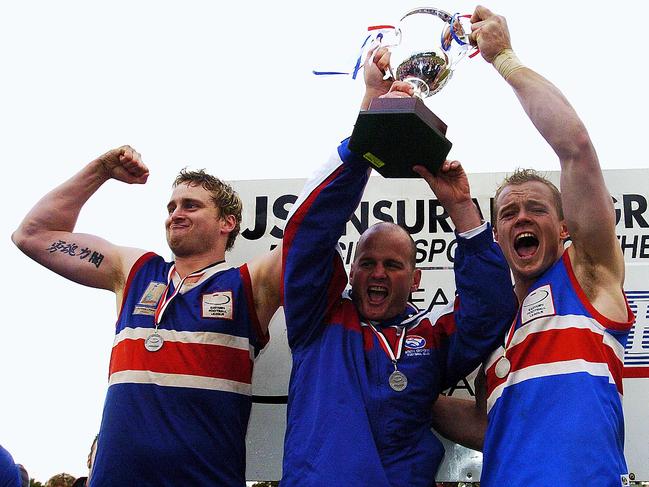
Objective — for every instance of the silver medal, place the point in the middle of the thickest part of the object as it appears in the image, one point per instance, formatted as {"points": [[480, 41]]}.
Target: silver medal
{"points": [[398, 381], [153, 342], [502, 367]]}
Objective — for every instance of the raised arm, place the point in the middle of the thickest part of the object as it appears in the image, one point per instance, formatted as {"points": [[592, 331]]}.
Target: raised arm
{"points": [[312, 270], [313, 274], [485, 302], [451, 186], [47, 235], [591, 225], [374, 69]]}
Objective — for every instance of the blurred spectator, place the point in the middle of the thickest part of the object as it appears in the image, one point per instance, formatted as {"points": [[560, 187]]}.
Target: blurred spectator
{"points": [[24, 476], [84, 481], [61, 480], [91, 456]]}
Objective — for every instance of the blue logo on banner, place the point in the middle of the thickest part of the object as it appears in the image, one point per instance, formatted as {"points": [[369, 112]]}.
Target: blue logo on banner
{"points": [[637, 346]]}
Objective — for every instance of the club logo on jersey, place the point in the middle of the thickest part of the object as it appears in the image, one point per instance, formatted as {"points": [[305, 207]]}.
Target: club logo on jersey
{"points": [[415, 346], [537, 304], [218, 305], [415, 342], [149, 300]]}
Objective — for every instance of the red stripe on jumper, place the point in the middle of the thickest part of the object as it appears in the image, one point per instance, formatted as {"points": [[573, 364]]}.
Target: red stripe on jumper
{"points": [[183, 358], [559, 346]]}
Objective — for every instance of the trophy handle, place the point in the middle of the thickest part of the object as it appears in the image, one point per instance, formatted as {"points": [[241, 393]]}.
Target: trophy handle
{"points": [[446, 39], [445, 16], [421, 89], [450, 34]]}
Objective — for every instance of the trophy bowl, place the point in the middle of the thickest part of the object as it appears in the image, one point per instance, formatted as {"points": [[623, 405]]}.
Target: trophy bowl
{"points": [[425, 54], [395, 134]]}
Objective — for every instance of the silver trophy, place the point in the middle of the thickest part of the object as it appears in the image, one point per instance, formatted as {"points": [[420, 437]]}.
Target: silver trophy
{"points": [[395, 134], [429, 44]]}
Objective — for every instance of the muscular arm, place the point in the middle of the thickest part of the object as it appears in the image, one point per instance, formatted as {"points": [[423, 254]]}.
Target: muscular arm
{"points": [[592, 225], [596, 253], [47, 235]]}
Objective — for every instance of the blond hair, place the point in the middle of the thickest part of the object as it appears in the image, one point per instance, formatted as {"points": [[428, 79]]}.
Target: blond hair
{"points": [[225, 198]]}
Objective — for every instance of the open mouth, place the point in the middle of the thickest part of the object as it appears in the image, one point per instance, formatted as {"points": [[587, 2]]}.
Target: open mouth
{"points": [[376, 294], [526, 244]]}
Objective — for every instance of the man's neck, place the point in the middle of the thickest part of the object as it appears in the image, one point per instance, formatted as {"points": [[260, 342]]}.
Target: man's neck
{"points": [[396, 319], [522, 284], [193, 263], [521, 288]]}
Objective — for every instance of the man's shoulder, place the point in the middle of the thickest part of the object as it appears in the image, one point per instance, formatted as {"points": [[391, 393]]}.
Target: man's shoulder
{"points": [[148, 258], [598, 290]]}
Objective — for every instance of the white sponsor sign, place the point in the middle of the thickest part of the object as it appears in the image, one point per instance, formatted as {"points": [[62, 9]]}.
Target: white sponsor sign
{"points": [[411, 204]]}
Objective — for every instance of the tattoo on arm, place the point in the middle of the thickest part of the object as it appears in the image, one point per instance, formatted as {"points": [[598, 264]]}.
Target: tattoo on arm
{"points": [[73, 250]]}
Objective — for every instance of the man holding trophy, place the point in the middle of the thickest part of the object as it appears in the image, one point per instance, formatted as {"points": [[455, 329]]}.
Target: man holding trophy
{"points": [[554, 386], [367, 364]]}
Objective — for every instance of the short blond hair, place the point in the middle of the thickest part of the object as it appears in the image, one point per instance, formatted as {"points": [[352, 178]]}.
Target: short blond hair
{"points": [[521, 176], [60, 480]]}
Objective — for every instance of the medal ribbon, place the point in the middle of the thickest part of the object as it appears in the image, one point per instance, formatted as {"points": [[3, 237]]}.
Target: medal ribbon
{"points": [[164, 301], [510, 336], [503, 364], [385, 345]]}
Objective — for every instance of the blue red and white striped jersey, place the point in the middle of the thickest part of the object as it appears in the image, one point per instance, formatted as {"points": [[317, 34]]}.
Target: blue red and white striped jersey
{"points": [[556, 417], [346, 426], [178, 416]]}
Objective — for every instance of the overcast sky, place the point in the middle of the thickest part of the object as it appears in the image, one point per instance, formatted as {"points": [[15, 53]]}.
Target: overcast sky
{"points": [[228, 86]]}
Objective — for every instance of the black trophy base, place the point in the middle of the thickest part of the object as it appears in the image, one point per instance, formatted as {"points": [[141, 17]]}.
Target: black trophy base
{"points": [[395, 134]]}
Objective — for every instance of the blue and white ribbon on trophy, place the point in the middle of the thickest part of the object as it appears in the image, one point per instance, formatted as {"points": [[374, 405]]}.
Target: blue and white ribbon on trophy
{"points": [[373, 39], [377, 34]]}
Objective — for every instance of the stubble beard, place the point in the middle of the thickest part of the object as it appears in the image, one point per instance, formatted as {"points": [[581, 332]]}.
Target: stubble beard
{"points": [[180, 247]]}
